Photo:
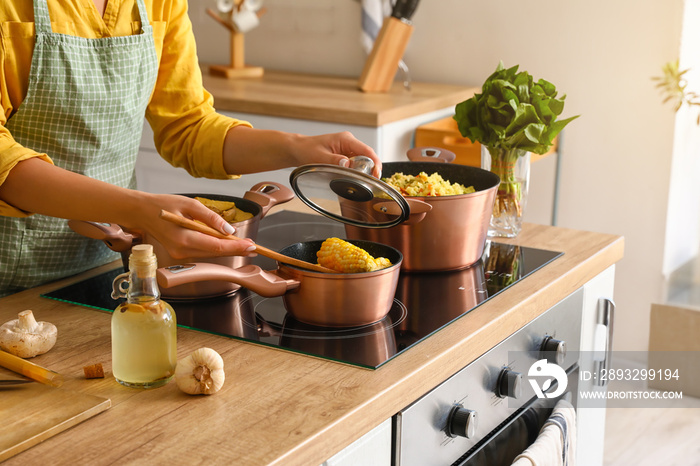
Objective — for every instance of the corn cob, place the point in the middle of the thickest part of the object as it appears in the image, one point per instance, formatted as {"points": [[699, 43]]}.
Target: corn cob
{"points": [[345, 257]]}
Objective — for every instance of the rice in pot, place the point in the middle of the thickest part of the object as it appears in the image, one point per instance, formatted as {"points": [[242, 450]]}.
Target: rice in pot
{"points": [[424, 185]]}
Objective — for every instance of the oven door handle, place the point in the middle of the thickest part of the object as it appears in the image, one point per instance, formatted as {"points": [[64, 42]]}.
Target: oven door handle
{"points": [[604, 335]]}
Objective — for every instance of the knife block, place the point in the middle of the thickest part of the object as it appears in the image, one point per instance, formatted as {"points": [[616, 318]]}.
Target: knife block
{"points": [[383, 61]]}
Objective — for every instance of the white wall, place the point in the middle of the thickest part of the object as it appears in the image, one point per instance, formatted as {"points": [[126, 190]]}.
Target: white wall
{"points": [[683, 222], [616, 158]]}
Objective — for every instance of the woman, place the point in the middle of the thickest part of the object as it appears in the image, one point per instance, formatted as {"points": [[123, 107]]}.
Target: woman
{"points": [[76, 79]]}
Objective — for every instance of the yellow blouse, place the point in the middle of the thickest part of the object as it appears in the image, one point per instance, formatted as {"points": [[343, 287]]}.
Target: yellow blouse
{"points": [[188, 132]]}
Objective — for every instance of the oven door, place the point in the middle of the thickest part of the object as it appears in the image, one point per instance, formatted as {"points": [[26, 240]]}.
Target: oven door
{"points": [[519, 431]]}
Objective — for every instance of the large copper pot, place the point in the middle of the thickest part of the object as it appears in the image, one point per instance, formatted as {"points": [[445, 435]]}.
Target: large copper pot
{"points": [[452, 233], [316, 298], [257, 201]]}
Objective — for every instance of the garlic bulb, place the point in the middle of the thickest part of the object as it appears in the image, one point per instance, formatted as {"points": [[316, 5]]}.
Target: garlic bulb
{"points": [[201, 373]]}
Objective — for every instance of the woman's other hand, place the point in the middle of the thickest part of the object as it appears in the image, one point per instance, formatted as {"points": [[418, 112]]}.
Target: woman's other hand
{"points": [[334, 149], [249, 150]]}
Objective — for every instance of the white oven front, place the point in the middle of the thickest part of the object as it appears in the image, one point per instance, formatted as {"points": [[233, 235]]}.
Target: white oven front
{"points": [[492, 404]]}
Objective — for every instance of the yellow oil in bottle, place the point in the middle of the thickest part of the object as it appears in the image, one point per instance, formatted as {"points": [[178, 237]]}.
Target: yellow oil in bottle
{"points": [[144, 344], [144, 328]]}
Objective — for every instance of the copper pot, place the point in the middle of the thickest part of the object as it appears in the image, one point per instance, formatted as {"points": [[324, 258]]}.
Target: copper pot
{"points": [[257, 201], [316, 298], [452, 234]]}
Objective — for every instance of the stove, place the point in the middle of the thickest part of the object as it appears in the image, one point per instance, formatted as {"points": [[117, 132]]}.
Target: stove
{"points": [[424, 302]]}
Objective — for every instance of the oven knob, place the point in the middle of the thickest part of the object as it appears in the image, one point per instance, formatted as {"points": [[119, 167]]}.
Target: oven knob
{"points": [[509, 384], [553, 350], [461, 422]]}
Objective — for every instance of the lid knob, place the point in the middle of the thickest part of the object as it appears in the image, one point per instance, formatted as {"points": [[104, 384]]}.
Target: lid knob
{"points": [[362, 163]]}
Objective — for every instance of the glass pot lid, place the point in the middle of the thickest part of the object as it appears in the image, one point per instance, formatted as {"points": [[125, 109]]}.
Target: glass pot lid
{"points": [[349, 196]]}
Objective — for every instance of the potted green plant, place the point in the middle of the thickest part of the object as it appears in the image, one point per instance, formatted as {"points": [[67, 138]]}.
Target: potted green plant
{"points": [[512, 117], [675, 88]]}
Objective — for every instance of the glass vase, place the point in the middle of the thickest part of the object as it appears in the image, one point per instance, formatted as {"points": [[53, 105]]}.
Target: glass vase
{"points": [[513, 167]]}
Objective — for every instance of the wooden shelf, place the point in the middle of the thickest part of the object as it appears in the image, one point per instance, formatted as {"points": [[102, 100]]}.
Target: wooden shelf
{"points": [[329, 98]]}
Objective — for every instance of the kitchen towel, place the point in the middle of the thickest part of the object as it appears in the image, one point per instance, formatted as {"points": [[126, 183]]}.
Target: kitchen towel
{"points": [[373, 14], [556, 442]]}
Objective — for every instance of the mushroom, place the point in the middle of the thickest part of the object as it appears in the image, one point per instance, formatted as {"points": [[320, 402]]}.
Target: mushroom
{"points": [[25, 337]]}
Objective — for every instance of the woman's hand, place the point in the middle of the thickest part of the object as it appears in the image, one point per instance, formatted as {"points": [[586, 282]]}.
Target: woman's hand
{"points": [[78, 197], [334, 149], [182, 243], [249, 150]]}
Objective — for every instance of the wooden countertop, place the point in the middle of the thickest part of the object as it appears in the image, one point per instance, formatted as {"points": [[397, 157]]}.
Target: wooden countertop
{"points": [[329, 98], [278, 407]]}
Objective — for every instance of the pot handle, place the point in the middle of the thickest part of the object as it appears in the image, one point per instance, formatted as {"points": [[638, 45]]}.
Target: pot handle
{"points": [[268, 194], [430, 154], [418, 210], [266, 284], [112, 235]]}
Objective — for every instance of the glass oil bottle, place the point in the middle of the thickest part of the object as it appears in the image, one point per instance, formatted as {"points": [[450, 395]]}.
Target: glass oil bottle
{"points": [[144, 329]]}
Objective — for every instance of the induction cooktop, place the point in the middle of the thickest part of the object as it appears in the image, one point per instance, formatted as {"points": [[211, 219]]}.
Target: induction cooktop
{"points": [[424, 302]]}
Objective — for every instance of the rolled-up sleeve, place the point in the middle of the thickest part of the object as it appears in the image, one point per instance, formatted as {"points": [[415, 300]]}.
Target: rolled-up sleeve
{"points": [[188, 132], [11, 152]]}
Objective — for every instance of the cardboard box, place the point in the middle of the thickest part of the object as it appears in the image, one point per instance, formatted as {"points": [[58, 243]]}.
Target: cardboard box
{"points": [[674, 342], [444, 134]]}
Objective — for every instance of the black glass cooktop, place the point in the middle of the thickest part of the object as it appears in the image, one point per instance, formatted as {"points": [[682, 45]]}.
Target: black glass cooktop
{"points": [[423, 304]]}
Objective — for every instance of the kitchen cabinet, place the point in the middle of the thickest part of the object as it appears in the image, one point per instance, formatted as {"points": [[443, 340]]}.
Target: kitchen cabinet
{"points": [[372, 449], [311, 105], [591, 421], [279, 407]]}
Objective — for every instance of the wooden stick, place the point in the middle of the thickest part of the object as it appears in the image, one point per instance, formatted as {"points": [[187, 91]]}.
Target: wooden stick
{"points": [[262, 250], [31, 370]]}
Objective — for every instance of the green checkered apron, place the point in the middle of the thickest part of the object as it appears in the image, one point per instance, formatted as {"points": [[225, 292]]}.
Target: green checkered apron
{"points": [[85, 108]]}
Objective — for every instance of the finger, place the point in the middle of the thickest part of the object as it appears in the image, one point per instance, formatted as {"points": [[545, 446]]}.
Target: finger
{"points": [[202, 245], [240, 247], [356, 147], [212, 219], [377, 170]]}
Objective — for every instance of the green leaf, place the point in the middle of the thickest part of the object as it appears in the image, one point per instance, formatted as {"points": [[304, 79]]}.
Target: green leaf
{"points": [[512, 112]]}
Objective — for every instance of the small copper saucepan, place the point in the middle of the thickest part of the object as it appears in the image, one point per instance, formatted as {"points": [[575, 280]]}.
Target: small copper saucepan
{"points": [[316, 298], [257, 200]]}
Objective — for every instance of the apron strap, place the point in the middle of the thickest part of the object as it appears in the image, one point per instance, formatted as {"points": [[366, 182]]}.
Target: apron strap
{"points": [[143, 14], [42, 20]]}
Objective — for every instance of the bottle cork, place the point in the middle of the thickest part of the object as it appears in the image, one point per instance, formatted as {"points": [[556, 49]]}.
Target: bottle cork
{"points": [[142, 260]]}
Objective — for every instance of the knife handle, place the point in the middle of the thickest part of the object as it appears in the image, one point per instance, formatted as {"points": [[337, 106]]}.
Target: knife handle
{"points": [[383, 61], [404, 9]]}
